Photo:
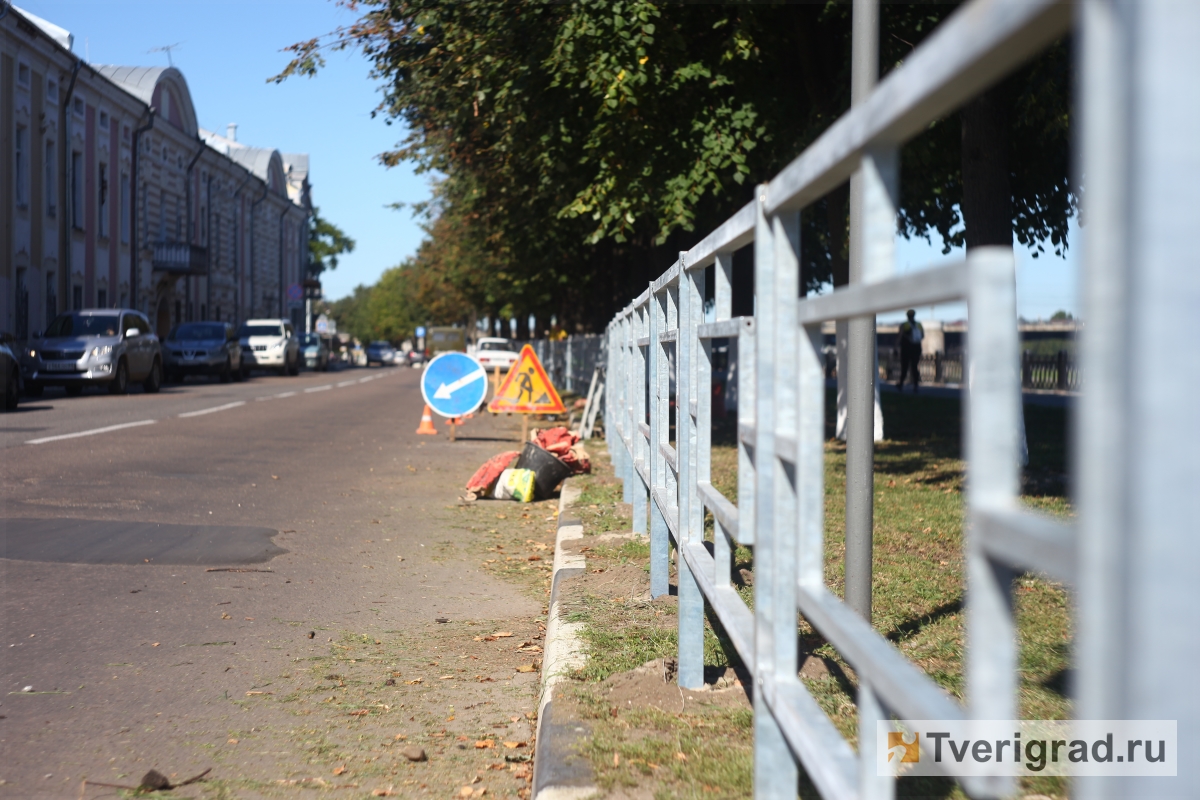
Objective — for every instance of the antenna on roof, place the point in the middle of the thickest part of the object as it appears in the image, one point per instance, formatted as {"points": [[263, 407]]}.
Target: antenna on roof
{"points": [[165, 49]]}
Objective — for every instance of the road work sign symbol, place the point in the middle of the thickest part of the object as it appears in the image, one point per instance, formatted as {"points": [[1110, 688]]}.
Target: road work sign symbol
{"points": [[526, 389], [454, 384]]}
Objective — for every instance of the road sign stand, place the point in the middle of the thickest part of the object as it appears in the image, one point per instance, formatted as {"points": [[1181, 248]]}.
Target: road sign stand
{"points": [[454, 385]]}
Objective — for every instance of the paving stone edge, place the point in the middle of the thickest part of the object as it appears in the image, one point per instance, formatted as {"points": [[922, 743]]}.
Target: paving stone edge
{"points": [[559, 772]]}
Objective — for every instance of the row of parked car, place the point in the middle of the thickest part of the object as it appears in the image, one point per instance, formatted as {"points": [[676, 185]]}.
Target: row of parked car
{"points": [[117, 347]]}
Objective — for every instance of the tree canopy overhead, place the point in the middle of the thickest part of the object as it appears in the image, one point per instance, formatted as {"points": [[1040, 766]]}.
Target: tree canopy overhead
{"points": [[582, 144]]}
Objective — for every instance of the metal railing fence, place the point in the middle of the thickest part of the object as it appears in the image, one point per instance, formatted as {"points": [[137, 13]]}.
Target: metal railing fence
{"points": [[1131, 559], [570, 362]]}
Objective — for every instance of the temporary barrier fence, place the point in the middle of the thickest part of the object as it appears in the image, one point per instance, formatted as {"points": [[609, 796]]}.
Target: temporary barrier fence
{"points": [[1131, 559]]}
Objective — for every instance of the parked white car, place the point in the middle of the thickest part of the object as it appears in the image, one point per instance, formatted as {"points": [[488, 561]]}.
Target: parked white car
{"points": [[495, 352], [270, 344]]}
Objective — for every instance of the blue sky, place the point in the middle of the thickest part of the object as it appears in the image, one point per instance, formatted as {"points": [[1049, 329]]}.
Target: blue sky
{"points": [[226, 51]]}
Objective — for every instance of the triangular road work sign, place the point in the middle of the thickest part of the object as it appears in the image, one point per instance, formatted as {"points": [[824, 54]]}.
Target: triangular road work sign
{"points": [[526, 389]]}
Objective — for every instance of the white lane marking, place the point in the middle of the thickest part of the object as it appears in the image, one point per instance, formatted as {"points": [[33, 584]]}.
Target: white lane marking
{"points": [[92, 432], [368, 378], [212, 410], [286, 394], [318, 388], [347, 383]]}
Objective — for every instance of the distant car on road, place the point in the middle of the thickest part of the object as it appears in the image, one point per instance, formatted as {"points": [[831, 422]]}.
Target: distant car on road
{"points": [[494, 352], [270, 344], [380, 353], [204, 348], [10, 371], [415, 357], [316, 352], [105, 347]]}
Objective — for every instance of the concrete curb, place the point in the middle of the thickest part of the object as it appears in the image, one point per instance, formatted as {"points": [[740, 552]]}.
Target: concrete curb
{"points": [[559, 773]]}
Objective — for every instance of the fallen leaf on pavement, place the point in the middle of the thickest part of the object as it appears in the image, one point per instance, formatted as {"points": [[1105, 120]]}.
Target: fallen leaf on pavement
{"points": [[483, 744], [514, 745], [362, 712], [233, 741], [525, 668], [681, 757], [251, 694], [445, 677], [225, 616], [466, 791], [274, 477], [339, 770], [502, 634], [414, 681]]}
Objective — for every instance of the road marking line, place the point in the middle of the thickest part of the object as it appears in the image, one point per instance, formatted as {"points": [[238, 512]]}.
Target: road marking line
{"points": [[318, 388], [92, 432], [368, 378], [347, 383], [286, 394], [212, 410]]}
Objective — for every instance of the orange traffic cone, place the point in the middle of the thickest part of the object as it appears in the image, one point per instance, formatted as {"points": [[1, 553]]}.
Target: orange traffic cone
{"points": [[426, 426]]}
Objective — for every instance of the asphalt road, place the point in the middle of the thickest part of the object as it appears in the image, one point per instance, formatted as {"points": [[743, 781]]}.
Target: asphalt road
{"points": [[140, 655]]}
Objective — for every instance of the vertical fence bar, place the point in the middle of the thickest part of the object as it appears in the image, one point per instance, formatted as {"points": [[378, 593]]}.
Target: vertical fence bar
{"points": [[993, 481], [640, 443], [775, 773], [860, 348], [1138, 607], [722, 310], [691, 514], [660, 536], [628, 476]]}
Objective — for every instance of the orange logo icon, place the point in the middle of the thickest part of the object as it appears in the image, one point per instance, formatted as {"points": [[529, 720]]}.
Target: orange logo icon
{"points": [[907, 752]]}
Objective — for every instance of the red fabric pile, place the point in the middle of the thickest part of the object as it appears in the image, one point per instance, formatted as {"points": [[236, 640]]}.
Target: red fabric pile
{"points": [[564, 444], [484, 479]]}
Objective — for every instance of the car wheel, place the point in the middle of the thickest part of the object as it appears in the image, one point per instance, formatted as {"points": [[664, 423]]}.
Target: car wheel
{"points": [[12, 391], [74, 391], [153, 381], [294, 368], [34, 389], [226, 373], [238, 374], [245, 371], [120, 382]]}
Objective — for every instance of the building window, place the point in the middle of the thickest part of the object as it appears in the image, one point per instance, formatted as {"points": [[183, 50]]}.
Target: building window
{"points": [[52, 91], [22, 305], [76, 298], [51, 183], [178, 312], [78, 106], [21, 158], [51, 297], [216, 313], [104, 120], [124, 209], [104, 200], [191, 308], [23, 74], [101, 298], [162, 216], [77, 190], [203, 313], [179, 219]]}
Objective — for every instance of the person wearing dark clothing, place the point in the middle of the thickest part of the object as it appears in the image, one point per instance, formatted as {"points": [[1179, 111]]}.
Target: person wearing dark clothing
{"points": [[911, 334]]}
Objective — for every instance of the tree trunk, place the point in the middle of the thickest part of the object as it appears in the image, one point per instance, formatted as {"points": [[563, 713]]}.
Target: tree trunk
{"points": [[987, 196]]}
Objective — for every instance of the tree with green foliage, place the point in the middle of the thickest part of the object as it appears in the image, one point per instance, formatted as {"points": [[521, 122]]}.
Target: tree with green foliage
{"points": [[582, 145], [326, 242]]}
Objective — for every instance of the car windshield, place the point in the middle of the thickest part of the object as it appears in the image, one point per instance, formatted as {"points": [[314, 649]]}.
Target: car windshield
{"points": [[495, 345], [311, 339], [380, 345], [83, 325], [261, 330], [196, 332]]}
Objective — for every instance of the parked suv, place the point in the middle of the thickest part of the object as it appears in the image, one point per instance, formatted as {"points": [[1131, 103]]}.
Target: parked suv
{"points": [[111, 347], [270, 344], [204, 348]]}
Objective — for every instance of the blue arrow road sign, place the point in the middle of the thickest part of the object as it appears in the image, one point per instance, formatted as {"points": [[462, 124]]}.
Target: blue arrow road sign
{"points": [[454, 384]]}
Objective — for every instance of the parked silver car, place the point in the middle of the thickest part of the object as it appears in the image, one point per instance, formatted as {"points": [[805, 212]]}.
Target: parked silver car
{"points": [[316, 352], [204, 348], [111, 347]]}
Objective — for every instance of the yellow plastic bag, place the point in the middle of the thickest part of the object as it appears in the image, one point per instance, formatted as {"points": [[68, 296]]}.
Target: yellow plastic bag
{"points": [[515, 484]]}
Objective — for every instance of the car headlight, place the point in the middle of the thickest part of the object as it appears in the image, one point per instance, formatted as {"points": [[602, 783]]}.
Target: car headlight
{"points": [[278, 345], [101, 350], [33, 353]]}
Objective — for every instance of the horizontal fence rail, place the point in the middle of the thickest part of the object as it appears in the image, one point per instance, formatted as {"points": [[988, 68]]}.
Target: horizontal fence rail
{"points": [[659, 408]]}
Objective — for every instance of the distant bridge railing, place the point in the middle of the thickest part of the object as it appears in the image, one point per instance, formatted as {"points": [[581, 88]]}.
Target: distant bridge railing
{"points": [[1133, 555]]}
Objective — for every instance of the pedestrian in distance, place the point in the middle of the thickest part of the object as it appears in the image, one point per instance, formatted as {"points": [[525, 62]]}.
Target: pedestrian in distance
{"points": [[911, 334]]}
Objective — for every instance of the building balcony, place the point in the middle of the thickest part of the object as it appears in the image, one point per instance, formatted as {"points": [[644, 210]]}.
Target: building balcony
{"points": [[180, 257]]}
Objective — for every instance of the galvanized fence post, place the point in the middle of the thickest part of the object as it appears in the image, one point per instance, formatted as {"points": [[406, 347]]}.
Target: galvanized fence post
{"points": [[638, 423], [660, 542], [691, 514]]}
